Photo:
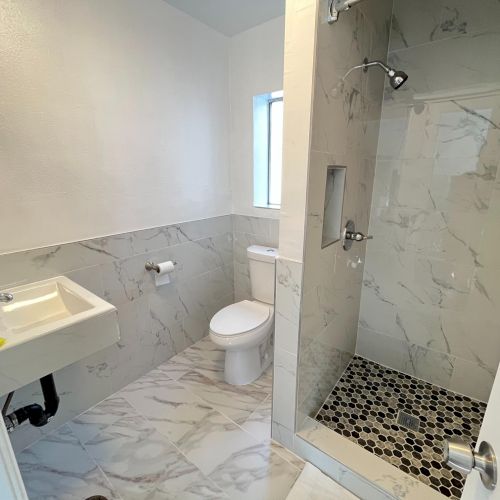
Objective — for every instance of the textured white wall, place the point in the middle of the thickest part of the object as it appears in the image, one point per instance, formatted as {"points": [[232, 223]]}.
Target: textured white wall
{"points": [[256, 67], [113, 117]]}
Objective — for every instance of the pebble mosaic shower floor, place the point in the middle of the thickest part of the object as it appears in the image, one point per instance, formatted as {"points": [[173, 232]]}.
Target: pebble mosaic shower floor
{"points": [[367, 402]]}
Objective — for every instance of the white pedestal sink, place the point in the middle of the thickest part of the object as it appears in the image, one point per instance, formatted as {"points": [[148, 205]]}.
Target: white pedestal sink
{"points": [[51, 324]]}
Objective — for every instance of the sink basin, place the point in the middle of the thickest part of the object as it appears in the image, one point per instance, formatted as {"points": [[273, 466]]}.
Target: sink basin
{"points": [[51, 324]]}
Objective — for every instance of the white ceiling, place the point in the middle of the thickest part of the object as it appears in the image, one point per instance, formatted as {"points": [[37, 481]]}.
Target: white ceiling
{"points": [[231, 17]]}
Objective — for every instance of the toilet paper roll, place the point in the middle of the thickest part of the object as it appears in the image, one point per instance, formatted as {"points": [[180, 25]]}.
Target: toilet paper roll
{"points": [[163, 276], [166, 267]]}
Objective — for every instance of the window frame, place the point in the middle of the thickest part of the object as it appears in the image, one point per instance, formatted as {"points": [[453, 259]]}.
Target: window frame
{"points": [[262, 128], [270, 102]]}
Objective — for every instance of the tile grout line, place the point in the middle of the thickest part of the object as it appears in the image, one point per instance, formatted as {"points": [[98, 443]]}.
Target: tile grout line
{"points": [[398, 441], [146, 419], [266, 444], [258, 442], [175, 445]]}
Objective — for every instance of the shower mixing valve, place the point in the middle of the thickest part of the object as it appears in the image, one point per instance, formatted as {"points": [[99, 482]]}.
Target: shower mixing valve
{"points": [[357, 236], [350, 235]]}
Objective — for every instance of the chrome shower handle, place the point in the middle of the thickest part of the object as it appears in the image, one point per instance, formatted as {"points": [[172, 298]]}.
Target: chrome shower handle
{"points": [[357, 236], [350, 234]]}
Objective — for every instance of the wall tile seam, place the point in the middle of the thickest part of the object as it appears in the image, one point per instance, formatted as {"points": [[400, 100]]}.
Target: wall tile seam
{"points": [[318, 333], [113, 258], [152, 253], [112, 235], [200, 275], [298, 327], [344, 157], [253, 216], [471, 34], [256, 235], [299, 358], [171, 247], [441, 353], [295, 261]]}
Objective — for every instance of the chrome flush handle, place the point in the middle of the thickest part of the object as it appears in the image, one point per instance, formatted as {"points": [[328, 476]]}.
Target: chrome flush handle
{"points": [[462, 458], [6, 297]]}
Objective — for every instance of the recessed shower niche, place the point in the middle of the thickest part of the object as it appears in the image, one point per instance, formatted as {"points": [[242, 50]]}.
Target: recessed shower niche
{"points": [[334, 200]]}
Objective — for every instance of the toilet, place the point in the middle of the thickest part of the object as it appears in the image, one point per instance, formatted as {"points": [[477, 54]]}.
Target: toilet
{"points": [[244, 329]]}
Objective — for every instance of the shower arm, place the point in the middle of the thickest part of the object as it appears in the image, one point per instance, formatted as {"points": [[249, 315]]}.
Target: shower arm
{"points": [[366, 65], [336, 6]]}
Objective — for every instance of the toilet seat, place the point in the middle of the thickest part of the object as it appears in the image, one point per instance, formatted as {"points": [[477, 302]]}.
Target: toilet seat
{"points": [[240, 318]]}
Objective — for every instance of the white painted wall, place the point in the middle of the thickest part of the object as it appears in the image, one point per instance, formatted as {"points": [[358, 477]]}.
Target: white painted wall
{"points": [[256, 67], [113, 117]]}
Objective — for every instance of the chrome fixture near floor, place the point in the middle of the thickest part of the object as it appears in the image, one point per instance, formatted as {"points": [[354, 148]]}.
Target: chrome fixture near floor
{"points": [[462, 458], [380, 408], [6, 297], [336, 6]]}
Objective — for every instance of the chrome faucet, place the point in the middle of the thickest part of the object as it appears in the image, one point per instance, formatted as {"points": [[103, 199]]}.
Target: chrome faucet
{"points": [[6, 297]]}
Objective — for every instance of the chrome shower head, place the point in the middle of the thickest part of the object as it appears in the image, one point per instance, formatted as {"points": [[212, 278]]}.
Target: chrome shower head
{"points": [[396, 77]]}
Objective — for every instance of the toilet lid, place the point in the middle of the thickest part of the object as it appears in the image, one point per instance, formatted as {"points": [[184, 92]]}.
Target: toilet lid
{"points": [[239, 318]]}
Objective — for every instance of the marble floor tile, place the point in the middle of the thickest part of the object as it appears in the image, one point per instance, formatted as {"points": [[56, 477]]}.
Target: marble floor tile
{"points": [[258, 423], [214, 441], [170, 407], [255, 472], [177, 366], [132, 455], [289, 456], [186, 482], [140, 463], [265, 382], [58, 467], [178, 432], [236, 402], [93, 421], [203, 356], [209, 359]]}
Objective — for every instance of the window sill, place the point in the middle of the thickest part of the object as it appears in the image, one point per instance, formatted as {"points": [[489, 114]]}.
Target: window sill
{"points": [[271, 207]]}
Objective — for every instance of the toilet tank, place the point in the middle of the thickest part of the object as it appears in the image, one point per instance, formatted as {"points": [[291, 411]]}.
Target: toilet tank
{"points": [[261, 262]]}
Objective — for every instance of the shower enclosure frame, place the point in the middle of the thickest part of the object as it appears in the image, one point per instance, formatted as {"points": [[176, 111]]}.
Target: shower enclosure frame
{"points": [[11, 483]]}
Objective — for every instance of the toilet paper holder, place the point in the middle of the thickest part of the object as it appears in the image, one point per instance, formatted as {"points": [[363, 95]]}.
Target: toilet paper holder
{"points": [[151, 266]]}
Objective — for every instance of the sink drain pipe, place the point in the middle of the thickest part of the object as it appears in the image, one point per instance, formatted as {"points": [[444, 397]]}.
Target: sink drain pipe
{"points": [[35, 413]]}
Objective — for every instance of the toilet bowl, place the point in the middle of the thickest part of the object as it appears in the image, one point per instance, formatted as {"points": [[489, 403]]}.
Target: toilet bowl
{"points": [[244, 329]]}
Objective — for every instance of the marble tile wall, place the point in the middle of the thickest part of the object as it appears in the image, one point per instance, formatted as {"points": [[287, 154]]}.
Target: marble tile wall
{"points": [[431, 286], [345, 126], [300, 37], [249, 230], [287, 324], [155, 323]]}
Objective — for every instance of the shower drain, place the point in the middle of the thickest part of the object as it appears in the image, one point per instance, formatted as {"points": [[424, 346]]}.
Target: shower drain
{"points": [[408, 421], [96, 497]]}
